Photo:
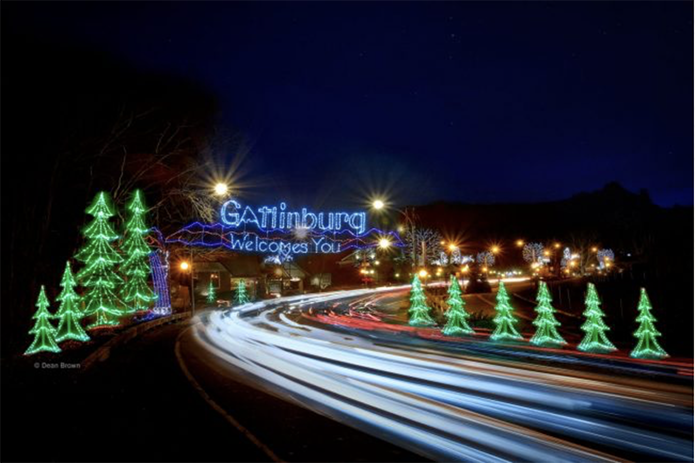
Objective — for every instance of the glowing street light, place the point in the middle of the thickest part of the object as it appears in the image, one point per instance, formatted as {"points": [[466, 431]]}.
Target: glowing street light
{"points": [[519, 243], [221, 189], [453, 247], [495, 249], [594, 249], [422, 273], [557, 245], [184, 265], [384, 243], [378, 204]]}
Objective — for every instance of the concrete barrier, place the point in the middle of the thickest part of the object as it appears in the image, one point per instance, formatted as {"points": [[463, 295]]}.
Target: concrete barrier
{"points": [[103, 352]]}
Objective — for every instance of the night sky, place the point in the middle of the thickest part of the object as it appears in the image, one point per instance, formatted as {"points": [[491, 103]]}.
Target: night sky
{"points": [[470, 102]]}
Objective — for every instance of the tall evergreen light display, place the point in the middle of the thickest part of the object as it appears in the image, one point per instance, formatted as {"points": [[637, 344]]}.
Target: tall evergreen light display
{"points": [[419, 311], [241, 297], [595, 339], [69, 313], [504, 320], [546, 325], [43, 331], [98, 275], [647, 347], [457, 317], [136, 292]]}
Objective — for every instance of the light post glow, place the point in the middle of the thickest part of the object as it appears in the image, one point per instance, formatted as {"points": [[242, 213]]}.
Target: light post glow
{"points": [[423, 273], [378, 204], [384, 243], [221, 189], [184, 266]]}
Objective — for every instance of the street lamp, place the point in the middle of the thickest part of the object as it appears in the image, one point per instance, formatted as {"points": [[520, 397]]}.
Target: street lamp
{"points": [[519, 243], [378, 204], [186, 267], [221, 189], [495, 249], [384, 243]]}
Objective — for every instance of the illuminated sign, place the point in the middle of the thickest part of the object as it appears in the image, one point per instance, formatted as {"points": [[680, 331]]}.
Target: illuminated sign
{"points": [[279, 218], [282, 233]]}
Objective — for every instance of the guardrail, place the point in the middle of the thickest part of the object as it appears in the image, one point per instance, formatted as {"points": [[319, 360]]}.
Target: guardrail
{"points": [[104, 351]]}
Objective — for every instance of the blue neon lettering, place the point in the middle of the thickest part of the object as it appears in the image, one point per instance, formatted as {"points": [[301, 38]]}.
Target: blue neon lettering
{"points": [[271, 219], [230, 218]]}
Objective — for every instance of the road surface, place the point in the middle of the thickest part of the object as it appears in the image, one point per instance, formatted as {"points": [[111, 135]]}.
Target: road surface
{"points": [[463, 399]]}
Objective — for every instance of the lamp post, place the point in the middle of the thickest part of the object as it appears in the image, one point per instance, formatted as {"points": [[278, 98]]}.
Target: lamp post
{"points": [[221, 189], [188, 267]]}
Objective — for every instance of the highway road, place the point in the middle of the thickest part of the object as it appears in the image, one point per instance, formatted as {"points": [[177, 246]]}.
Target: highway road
{"points": [[465, 399]]}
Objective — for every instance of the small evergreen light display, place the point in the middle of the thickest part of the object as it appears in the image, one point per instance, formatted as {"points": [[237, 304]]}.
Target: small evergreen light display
{"points": [[212, 296], [546, 331], [504, 320], [595, 339], [69, 313], [43, 331], [647, 347], [241, 297], [456, 315], [136, 293], [419, 311], [100, 257]]}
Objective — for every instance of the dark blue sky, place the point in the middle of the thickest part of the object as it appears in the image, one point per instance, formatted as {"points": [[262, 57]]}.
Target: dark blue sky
{"points": [[461, 101]]}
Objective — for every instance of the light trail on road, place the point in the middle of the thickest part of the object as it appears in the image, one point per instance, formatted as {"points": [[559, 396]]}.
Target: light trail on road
{"points": [[467, 405]]}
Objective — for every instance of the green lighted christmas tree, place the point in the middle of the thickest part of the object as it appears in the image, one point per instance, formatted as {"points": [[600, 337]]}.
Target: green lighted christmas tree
{"points": [[419, 312], [212, 295], [504, 320], [546, 331], [647, 347], [43, 331], [456, 315], [136, 293], [595, 339], [69, 313], [241, 297], [98, 275]]}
